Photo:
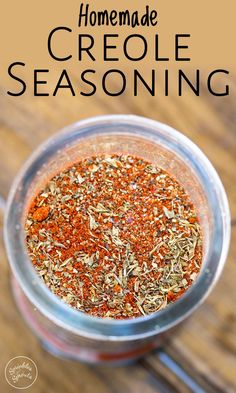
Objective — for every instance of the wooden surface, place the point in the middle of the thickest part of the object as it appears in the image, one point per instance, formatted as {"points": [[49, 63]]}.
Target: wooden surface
{"points": [[201, 357]]}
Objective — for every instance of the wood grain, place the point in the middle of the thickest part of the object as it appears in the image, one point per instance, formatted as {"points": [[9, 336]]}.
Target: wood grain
{"points": [[205, 347]]}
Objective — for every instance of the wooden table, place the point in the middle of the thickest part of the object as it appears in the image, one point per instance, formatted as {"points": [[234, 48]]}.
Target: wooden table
{"points": [[202, 355]]}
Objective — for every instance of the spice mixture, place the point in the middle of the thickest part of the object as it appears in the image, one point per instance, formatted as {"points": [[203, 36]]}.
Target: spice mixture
{"points": [[114, 236]]}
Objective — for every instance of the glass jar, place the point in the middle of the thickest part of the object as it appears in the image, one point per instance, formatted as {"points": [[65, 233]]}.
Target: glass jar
{"points": [[70, 333]]}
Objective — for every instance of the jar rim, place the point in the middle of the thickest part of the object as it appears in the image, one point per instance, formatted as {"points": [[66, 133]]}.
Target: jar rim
{"points": [[102, 328]]}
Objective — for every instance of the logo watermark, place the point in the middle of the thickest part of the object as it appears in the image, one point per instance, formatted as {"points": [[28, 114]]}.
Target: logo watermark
{"points": [[21, 372]]}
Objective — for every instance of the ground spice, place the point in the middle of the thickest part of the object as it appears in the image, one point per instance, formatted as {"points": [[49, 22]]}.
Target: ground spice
{"points": [[114, 236]]}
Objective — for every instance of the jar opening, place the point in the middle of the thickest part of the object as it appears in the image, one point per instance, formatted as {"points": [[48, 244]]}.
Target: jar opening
{"points": [[160, 144]]}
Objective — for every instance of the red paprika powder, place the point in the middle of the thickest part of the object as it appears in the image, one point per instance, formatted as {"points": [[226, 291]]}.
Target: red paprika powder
{"points": [[114, 236]]}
